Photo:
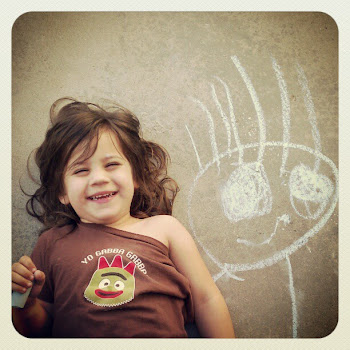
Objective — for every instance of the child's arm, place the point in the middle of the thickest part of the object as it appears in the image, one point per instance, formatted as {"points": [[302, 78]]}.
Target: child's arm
{"points": [[34, 319], [211, 313]]}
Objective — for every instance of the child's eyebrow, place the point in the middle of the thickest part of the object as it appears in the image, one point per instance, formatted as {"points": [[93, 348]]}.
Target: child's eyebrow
{"points": [[75, 164], [110, 156]]}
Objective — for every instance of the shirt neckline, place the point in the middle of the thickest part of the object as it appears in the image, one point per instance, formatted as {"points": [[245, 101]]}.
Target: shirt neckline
{"points": [[127, 234]]}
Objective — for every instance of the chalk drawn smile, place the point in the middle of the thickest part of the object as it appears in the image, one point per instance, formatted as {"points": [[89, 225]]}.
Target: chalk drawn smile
{"points": [[246, 192], [284, 218]]}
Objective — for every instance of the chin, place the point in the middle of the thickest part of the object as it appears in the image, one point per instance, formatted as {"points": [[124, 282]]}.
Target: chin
{"points": [[100, 220], [105, 221]]}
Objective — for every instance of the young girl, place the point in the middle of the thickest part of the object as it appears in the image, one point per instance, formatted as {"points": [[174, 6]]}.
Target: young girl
{"points": [[112, 261]]}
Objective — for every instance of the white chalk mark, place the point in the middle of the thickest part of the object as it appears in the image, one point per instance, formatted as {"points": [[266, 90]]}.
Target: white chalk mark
{"points": [[258, 109], [223, 116], [285, 218], [320, 210], [246, 193], [233, 276], [225, 272], [311, 111], [306, 203], [306, 185], [214, 146], [195, 150], [233, 121], [218, 275], [293, 298], [309, 215], [282, 254], [285, 112]]}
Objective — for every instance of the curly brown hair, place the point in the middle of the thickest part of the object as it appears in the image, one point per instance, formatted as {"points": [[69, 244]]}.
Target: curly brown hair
{"points": [[81, 122]]}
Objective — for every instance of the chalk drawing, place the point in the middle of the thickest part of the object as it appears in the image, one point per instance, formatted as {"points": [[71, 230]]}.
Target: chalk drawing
{"points": [[285, 112], [233, 121], [211, 127], [258, 109], [284, 218], [293, 298], [307, 186], [311, 111], [246, 193]]}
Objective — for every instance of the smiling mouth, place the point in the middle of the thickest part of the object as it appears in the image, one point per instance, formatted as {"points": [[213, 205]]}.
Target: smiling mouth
{"points": [[102, 196], [105, 294]]}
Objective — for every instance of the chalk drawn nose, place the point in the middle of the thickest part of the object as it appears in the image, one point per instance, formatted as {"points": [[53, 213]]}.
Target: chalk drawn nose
{"points": [[246, 193], [306, 185]]}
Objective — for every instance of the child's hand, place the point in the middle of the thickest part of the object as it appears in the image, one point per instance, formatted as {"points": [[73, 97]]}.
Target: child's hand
{"points": [[24, 273]]}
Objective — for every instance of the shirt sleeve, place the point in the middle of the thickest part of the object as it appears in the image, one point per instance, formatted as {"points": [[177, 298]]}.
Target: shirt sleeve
{"points": [[41, 259]]}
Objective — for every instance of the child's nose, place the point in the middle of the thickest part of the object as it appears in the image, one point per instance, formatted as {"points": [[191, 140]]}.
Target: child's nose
{"points": [[98, 177]]}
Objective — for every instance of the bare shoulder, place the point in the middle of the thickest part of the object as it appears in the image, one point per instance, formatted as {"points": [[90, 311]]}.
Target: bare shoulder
{"points": [[169, 225], [177, 236], [167, 229], [186, 257], [158, 227], [163, 221]]}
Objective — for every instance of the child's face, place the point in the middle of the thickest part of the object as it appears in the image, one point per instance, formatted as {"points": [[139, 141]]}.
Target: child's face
{"points": [[101, 188]]}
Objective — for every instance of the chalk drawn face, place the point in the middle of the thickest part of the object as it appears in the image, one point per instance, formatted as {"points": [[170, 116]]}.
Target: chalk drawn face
{"points": [[288, 187], [111, 285]]}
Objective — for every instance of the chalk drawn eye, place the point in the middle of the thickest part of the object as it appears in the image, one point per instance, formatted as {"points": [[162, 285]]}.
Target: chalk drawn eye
{"points": [[246, 193], [119, 285], [307, 186], [104, 283]]}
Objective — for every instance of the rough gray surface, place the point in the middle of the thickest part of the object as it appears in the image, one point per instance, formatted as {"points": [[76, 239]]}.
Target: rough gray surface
{"points": [[281, 70]]}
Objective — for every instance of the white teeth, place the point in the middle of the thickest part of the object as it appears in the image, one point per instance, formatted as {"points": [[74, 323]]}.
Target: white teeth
{"points": [[95, 198]]}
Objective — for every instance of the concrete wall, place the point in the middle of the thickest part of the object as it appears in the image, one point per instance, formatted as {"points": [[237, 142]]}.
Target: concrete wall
{"points": [[247, 106]]}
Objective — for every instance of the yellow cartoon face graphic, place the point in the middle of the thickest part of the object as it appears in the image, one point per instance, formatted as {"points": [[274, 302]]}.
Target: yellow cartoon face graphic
{"points": [[111, 285]]}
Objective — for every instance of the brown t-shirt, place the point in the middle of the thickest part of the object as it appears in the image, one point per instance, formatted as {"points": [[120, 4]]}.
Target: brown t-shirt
{"points": [[106, 282]]}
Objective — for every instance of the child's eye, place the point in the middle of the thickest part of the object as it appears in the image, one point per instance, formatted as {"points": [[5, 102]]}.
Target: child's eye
{"points": [[79, 171], [112, 164]]}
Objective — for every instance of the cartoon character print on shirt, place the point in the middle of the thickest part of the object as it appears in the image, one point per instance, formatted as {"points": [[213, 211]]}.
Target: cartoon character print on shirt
{"points": [[111, 285]]}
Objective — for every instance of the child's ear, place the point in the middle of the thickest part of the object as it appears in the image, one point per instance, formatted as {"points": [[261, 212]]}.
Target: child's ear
{"points": [[64, 199]]}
